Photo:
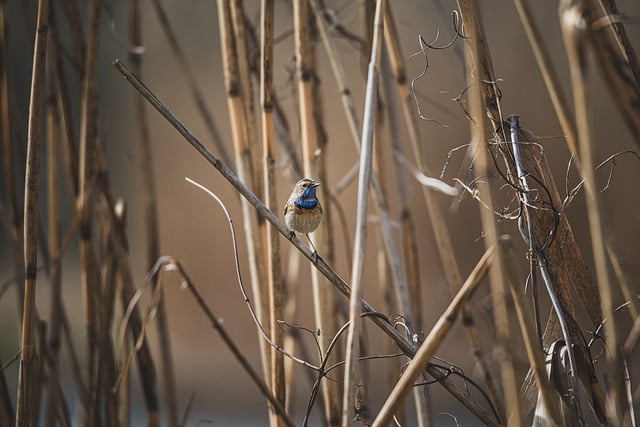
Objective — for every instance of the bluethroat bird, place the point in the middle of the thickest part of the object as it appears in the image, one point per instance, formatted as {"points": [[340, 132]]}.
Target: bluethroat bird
{"points": [[303, 211]]}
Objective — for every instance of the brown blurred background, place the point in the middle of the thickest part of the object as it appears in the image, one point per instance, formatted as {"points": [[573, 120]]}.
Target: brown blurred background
{"points": [[194, 230]]}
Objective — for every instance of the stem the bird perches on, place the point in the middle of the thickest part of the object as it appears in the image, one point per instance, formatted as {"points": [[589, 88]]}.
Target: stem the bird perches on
{"points": [[318, 262]]}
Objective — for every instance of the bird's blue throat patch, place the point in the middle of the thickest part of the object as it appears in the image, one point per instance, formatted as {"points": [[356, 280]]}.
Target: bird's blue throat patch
{"points": [[309, 193], [306, 203]]}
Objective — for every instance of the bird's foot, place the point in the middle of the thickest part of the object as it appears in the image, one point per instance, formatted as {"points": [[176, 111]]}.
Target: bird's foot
{"points": [[314, 255]]}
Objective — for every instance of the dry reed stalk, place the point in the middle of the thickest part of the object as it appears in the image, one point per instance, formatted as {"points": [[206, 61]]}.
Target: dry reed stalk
{"points": [[364, 176], [384, 279], [124, 393], [403, 296], [626, 93], [433, 341], [196, 92], [247, 96], [62, 414], [397, 276], [290, 160], [6, 407], [563, 268], [409, 243], [616, 73], [250, 120], [585, 285], [409, 315], [88, 126], [610, 9], [277, 294], [473, 26], [292, 340], [390, 247], [170, 263], [562, 264], [53, 225], [549, 75], [14, 212], [338, 72], [366, 10], [69, 158], [484, 68], [78, 42], [245, 173], [119, 245], [575, 32], [107, 373], [7, 150], [318, 262], [304, 77], [25, 400], [333, 313], [621, 278], [527, 327], [151, 212], [74, 364], [38, 379], [438, 223], [311, 122], [68, 147]]}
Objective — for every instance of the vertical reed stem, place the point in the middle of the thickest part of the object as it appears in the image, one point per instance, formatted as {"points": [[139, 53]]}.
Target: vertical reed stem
{"points": [[575, 31], [324, 298], [197, 94], [497, 273], [53, 217], [364, 176], [151, 222], [88, 126], [25, 406], [244, 166], [438, 224], [274, 274]]}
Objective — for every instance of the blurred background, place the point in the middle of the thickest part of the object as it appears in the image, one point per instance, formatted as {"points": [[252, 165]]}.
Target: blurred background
{"points": [[194, 230]]}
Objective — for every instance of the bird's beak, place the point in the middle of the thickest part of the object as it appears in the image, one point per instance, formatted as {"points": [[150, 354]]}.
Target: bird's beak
{"points": [[315, 184]]}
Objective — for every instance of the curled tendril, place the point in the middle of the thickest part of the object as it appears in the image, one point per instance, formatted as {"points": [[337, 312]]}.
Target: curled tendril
{"points": [[424, 46], [458, 25]]}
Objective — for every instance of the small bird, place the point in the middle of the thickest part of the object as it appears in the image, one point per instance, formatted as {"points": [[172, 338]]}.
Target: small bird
{"points": [[303, 211]]}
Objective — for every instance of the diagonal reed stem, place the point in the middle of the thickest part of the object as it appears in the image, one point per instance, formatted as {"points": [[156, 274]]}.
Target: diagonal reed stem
{"points": [[318, 262], [432, 342]]}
